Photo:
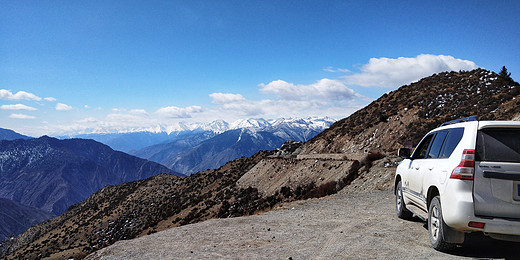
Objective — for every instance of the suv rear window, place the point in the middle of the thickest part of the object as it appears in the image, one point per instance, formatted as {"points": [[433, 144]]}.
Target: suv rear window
{"points": [[498, 145]]}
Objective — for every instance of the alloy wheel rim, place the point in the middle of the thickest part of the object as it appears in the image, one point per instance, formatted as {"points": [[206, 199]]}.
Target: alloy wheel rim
{"points": [[399, 197], [434, 223]]}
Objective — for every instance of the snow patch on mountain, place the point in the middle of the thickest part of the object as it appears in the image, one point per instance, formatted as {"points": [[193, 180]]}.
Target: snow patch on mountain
{"points": [[250, 123]]}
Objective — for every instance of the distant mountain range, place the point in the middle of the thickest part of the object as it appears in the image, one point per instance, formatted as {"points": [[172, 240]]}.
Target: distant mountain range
{"points": [[207, 148], [189, 148], [7, 134], [134, 142], [52, 174], [49, 175]]}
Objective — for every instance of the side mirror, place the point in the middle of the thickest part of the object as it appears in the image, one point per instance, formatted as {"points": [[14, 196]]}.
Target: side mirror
{"points": [[404, 153]]}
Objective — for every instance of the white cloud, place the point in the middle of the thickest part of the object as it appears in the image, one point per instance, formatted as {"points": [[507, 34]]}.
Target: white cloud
{"points": [[178, 112], [283, 108], [123, 120], [141, 112], [62, 107], [118, 110], [87, 120], [17, 107], [325, 97], [50, 99], [8, 95], [323, 89], [86, 106], [224, 98], [334, 70], [21, 116], [392, 73]]}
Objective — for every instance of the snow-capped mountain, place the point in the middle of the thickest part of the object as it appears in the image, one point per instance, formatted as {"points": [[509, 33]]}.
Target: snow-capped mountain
{"points": [[301, 129], [220, 126], [208, 149], [250, 123], [217, 126]]}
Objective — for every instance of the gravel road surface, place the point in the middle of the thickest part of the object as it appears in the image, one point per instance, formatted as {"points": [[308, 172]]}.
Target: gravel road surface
{"points": [[343, 226]]}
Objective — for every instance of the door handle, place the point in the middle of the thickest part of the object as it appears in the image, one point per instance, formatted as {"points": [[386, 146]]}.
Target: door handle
{"points": [[430, 168], [417, 167]]}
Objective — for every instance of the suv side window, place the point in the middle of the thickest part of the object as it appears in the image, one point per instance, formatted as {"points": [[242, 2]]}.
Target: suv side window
{"points": [[436, 146], [422, 148], [452, 141]]}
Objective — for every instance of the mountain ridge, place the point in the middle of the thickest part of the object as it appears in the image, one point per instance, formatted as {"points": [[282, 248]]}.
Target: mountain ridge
{"points": [[133, 141], [52, 174], [406, 114], [9, 135], [207, 150]]}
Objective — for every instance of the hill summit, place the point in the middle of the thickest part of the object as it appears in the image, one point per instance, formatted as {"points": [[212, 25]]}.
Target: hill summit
{"points": [[406, 114]]}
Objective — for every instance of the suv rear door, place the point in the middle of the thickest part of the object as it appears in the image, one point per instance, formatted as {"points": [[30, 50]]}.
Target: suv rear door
{"points": [[427, 162], [496, 190]]}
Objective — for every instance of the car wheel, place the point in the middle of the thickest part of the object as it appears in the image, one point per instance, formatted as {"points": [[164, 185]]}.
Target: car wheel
{"points": [[437, 227], [400, 208]]}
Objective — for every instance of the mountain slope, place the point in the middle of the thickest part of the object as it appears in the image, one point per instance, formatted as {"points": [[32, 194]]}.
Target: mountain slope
{"points": [[161, 153], [134, 209], [15, 218], [406, 114], [222, 148], [7, 134], [52, 174]]}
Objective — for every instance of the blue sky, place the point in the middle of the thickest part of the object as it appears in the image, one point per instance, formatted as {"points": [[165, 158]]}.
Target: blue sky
{"points": [[94, 66]]}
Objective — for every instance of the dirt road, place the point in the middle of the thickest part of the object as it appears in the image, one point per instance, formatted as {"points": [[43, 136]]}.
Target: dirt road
{"points": [[343, 226]]}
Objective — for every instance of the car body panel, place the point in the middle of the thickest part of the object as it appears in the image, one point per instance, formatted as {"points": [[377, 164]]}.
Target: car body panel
{"points": [[497, 175]]}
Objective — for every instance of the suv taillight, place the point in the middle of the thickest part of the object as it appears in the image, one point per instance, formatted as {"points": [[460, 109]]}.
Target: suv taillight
{"points": [[466, 167]]}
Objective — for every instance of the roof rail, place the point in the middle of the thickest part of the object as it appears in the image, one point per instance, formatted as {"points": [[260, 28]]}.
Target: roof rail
{"points": [[460, 120]]}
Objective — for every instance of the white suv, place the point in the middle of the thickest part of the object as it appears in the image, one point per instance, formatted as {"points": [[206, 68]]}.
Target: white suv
{"points": [[464, 176]]}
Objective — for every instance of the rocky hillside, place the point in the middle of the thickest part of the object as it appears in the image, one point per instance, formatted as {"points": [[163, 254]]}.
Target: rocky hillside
{"points": [[143, 207], [339, 156], [406, 114]]}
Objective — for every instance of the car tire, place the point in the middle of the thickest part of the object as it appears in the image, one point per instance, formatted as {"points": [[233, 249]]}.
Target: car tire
{"points": [[400, 208], [437, 227]]}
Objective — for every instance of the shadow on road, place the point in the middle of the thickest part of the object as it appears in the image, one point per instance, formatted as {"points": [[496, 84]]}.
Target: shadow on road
{"points": [[477, 245]]}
